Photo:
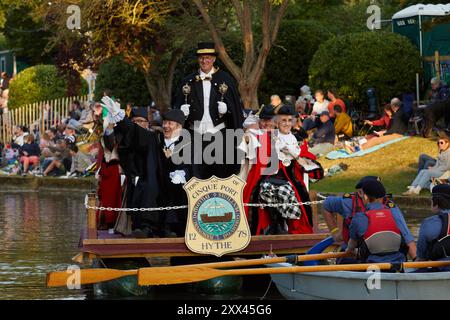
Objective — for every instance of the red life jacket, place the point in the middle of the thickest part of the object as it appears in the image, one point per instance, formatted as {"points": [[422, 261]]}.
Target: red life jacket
{"points": [[382, 236], [357, 206], [440, 248]]}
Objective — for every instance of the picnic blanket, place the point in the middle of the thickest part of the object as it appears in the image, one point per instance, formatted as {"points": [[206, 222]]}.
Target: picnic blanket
{"points": [[342, 154]]}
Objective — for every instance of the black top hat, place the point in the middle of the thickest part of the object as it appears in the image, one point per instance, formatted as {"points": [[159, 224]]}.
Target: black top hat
{"points": [[285, 110], [206, 48], [174, 115], [266, 112], [141, 112]]}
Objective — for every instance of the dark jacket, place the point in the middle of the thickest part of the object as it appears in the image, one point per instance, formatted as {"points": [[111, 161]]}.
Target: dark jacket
{"points": [[325, 133], [233, 118], [440, 94], [399, 123], [32, 149]]}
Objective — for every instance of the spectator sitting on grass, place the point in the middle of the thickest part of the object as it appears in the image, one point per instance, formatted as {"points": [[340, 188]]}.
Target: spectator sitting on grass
{"points": [[86, 118], [384, 122], [70, 132], [320, 106], [29, 154], [324, 137], [80, 161], [398, 123], [442, 164], [75, 111], [342, 124], [20, 133], [61, 161], [335, 101]]}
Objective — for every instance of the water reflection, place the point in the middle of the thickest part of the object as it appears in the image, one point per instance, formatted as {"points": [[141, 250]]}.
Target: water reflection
{"points": [[39, 232]]}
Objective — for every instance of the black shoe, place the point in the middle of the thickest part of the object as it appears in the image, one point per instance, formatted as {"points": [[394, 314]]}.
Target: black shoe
{"points": [[142, 233]]}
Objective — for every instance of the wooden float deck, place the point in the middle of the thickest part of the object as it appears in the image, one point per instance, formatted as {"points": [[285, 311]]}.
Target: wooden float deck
{"points": [[116, 246]]}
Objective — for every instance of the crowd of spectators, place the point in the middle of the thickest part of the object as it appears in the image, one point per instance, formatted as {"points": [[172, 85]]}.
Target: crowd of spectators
{"points": [[53, 152]]}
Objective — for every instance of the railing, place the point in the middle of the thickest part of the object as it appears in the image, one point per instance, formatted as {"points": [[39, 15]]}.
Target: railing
{"points": [[39, 115]]}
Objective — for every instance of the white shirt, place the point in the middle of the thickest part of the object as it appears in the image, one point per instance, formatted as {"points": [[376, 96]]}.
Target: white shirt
{"points": [[206, 123], [320, 107], [286, 141], [170, 143]]}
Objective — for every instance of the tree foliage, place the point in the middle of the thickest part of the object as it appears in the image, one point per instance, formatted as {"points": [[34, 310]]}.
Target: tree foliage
{"points": [[127, 83], [352, 63], [24, 31], [287, 65], [34, 84]]}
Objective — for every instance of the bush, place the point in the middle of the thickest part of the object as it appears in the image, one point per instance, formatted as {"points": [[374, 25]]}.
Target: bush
{"points": [[123, 80], [354, 62], [34, 84]]}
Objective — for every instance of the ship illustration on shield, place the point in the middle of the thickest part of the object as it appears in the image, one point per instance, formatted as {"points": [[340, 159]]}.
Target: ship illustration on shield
{"points": [[215, 213]]}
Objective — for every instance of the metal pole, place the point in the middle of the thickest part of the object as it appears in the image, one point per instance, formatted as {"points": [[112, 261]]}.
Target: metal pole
{"points": [[420, 32], [417, 90]]}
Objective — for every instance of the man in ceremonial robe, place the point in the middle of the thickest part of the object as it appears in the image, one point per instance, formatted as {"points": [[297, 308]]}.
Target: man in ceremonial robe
{"points": [[144, 165], [172, 145], [210, 101], [280, 183]]}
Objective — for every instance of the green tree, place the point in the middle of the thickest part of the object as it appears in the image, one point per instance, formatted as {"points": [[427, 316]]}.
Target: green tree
{"points": [[150, 35], [118, 76], [34, 84], [258, 23], [24, 31], [354, 62], [287, 65]]}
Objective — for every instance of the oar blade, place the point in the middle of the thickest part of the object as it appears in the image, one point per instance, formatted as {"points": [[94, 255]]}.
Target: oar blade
{"points": [[176, 275], [84, 276]]}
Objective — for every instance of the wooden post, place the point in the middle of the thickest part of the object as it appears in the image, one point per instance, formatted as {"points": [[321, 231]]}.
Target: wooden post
{"points": [[315, 215], [92, 217], [437, 64]]}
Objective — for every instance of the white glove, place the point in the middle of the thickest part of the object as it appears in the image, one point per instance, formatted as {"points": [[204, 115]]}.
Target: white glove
{"points": [[185, 109], [222, 107], [178, 177], [115, 114]]}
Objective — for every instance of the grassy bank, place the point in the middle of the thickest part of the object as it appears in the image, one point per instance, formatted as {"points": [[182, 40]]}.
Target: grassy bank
{"points": [[396, 164]]}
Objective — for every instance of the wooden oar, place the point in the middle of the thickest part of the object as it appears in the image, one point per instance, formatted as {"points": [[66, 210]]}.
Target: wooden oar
{"points": [[171, 275], [88, 276]]}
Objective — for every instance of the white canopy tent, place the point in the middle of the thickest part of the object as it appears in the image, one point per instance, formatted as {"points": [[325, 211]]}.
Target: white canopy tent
{"points": [[423, 10]]}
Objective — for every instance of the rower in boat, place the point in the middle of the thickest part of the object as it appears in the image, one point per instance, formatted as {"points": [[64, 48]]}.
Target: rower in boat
{"points": [[380, 232], [346, 206], [434, 233]]}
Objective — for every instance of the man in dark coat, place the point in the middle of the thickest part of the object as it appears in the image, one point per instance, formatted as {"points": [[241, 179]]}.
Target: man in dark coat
{"points": [[399, 121], [176, 174], [144, 167], [210, 101]]}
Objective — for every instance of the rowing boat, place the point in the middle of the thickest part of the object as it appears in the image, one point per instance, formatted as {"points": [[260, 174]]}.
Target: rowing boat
{"points": [[351, 285]]}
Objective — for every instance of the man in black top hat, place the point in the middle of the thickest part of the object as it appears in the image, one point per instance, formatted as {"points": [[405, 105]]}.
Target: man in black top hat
{"points": [[139, 158], [210, 101], [176, 174]]}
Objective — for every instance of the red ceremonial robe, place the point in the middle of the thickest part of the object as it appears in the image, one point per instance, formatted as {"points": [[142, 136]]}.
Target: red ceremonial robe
{"points": [[295, 226], [109, 189]]}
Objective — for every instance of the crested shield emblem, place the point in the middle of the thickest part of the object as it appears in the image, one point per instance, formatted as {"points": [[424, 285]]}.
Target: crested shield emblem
{"points": [[216, 222]]}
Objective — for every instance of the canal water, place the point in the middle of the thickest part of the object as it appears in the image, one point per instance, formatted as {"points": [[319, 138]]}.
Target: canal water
{"points": [[39, 233]]}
